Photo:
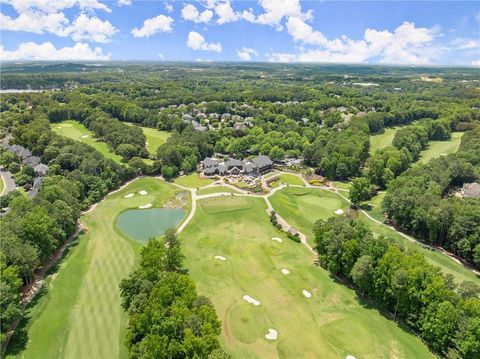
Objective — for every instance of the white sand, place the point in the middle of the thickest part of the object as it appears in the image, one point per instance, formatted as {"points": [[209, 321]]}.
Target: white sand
{"points": [[443, 154], [276, 239], [222, 258], [142, 192], [59, 126], [84, 136], [251, 300], [130, 195], [285, 271], [350, 357], [272, 334], [339, 211], [148, 205], [306, 293]]}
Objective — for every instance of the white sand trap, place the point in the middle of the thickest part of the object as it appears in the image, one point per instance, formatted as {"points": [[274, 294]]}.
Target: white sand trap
{"points": [[272, 334], [251, 300], [221, 258], [285, 271], [142, 192], [443, 154], [59, 126], [148, 205], [339, 211], [350, 357], [130, 195], [84, 136], [277, 239], [306, 293]]}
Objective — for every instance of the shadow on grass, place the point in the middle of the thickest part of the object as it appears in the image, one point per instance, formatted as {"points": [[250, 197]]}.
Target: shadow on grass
{"points": [[19, 340]]}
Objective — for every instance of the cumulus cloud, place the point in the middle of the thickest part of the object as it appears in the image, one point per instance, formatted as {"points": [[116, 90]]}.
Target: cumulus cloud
{"points": [[53, 6], [168, 7], [47, 51], [191, 13], [475, 63], [196, 41], [91, 29], [246, 54], [160, 23], [124, 2], [275, 12], [465, 44]]}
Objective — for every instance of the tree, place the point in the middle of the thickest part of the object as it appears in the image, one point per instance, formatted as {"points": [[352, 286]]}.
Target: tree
{"points": [[362, 272], [174, 259], [439, 325], [468, 289], [360, 191], [10, 307]]}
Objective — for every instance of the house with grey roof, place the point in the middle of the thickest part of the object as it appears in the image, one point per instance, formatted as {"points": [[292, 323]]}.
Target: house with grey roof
{"points": [[470, 190], [41, 169], [31, 161], [258, 165]]}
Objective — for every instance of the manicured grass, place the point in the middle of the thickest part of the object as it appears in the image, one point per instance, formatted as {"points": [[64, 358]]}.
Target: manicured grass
{"points": [[330, 324], [439, 148], [2, 185], [342, 185], [76, 131], [216, 189], [81, 316], [377, 142], [155, 138], [302, 207], [193, 181], [287, 178], [376, 207]]}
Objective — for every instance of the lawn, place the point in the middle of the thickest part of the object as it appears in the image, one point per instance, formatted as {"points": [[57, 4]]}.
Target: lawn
{"points": [[76, 131], [439, 148], [301, 207], [377, 142], [155, 138], [375, 210], [287, 178], [81, 316], [193, 181], [330, 324], [343, 185], [216, 189]]}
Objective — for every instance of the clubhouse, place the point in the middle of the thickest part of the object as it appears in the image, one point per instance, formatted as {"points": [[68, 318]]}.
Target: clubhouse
{"points": [[257, 166]]}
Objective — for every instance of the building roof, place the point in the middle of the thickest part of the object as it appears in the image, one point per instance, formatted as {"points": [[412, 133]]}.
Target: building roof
{"points": [[471, 190], [41, 168], [234, 163], [37, 182], [209, 162], [25, 153], [262, 161], [32, 160]]}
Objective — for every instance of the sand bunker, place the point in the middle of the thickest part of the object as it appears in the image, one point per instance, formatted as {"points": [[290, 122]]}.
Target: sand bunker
{"points": [[285, 271], [272, 334], [306, 293], [130, 195], [142, 192], [339, 211], [84, 136], [59, 126], [222, 258], [350, 357], [251, 300], [276, 239], [148, 205], [443, 154]]}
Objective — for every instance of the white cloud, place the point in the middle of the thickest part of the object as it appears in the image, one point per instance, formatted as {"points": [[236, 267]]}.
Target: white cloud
{"points": [[226, 13], [203, 60], [168, 7], [196, 41], [475, 63], [53, 6], [91, 29], [465, 44], [246, 54], [124, 2], [275, 12], [191, 13], [47, 51], [161, 57], [160, 23]]}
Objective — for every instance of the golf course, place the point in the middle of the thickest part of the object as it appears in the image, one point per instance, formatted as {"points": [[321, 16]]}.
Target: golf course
{"points": [[382, 140], [441, 148], [258, 284], [80, 315]]}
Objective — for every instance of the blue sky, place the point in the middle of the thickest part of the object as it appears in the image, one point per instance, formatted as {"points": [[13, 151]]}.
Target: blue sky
{"points": [[384, 32]]}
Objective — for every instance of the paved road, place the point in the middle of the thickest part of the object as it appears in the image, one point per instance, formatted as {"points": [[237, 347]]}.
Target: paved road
{"points": [[9, 184]]}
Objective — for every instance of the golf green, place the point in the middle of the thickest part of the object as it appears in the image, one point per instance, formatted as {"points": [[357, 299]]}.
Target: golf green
{"points": [[143, 224]]}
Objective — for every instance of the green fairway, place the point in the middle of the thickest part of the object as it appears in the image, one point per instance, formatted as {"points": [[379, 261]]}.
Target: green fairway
{"points": [[193, 181], [375, 208], [440, 148], [329, 324], [216, 189], [81, 316], [301, 207], [377, 142], [78, 132], [342, 185], [287, 178], [155, 138]]}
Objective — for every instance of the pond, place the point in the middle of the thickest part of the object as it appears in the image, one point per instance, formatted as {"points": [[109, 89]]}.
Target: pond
{"points": [[143, 224]]}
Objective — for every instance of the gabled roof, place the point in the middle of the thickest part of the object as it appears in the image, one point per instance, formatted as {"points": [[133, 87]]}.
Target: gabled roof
{"points": [[234, 163], [41, 168], [471, 190], [262, 161], [209, 162]]}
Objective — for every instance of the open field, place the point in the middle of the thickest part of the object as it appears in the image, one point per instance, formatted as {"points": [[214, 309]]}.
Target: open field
{"points": [[155, 138], [81, 316], [216, 189], [376, 207], [343, 185], [439, 148], [287, 178], [301, 207], [377, 142], [329, 324], [76, 131], [193, 181]]}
